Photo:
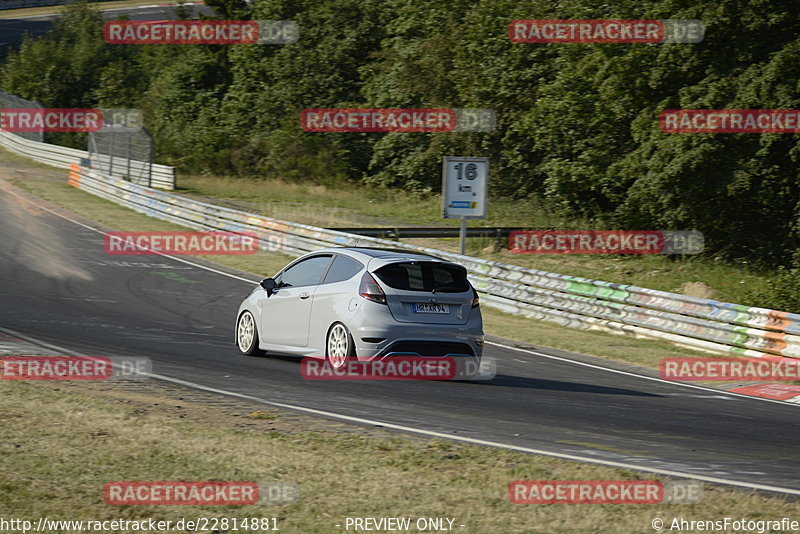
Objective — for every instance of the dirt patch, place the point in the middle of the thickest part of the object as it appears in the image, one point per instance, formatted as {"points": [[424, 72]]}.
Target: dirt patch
{"points": [[699, 290]]}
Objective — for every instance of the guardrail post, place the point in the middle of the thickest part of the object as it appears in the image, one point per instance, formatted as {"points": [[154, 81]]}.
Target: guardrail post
{"points": [[497, 241]]}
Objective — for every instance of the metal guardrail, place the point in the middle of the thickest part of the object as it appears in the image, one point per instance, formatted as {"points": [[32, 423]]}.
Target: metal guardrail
{"points": [[431, 231], [567, 300], [19, 4], [163, 176]]}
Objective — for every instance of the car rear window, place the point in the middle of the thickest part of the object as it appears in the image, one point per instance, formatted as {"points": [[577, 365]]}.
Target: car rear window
{"points": [[424, 276]]}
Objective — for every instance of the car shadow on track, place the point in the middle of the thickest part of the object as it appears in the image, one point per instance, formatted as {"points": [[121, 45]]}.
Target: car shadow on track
{"points": [[511, 381]]}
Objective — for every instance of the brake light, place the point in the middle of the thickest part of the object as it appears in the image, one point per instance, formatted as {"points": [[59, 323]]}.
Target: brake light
{"points": [[370, 290], [475, 299]]}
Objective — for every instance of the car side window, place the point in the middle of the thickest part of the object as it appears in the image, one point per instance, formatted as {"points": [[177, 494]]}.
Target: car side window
{"points": [[305, 273], [343, 268]]}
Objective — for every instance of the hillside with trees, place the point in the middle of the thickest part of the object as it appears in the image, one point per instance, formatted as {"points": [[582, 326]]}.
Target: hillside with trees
{"points": [[577, 123]]}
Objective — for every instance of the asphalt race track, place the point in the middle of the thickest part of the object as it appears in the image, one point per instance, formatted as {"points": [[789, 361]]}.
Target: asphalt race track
{"points": [[58, 285]]}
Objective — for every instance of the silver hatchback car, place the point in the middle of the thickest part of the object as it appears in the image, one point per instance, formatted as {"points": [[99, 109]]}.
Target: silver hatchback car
{"points": [[363, 303]]}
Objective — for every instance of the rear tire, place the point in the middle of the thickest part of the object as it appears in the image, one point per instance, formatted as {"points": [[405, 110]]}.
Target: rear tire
{"points": [[247, 335], [339, 346]]}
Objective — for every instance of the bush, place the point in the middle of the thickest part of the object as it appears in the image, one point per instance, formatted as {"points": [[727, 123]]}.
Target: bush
{"points": [[782, 293]]}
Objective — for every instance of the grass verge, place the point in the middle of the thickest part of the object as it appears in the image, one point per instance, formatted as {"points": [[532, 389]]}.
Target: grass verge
{"points": [[63, 441]]}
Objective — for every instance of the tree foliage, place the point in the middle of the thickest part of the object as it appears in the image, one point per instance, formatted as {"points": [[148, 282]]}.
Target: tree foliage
{"points": [[577, 123]]}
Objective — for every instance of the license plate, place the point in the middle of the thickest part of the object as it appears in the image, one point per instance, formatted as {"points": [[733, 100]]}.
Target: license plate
{"points": [[431, 308]]}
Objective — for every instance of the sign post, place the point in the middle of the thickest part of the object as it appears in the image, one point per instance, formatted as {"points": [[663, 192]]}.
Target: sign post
{"points": [[464, 186]]}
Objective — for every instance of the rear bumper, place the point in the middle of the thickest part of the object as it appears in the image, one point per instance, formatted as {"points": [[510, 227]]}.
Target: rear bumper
{"points": [[377, 335], [416, 339]]}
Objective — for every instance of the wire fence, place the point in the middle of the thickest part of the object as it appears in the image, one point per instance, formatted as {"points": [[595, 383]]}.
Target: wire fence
{"points": [[123, 147], [9, 101]]}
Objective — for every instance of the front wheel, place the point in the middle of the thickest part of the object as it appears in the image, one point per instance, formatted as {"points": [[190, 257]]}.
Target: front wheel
{"points": [[247, 335], [340, 346]]}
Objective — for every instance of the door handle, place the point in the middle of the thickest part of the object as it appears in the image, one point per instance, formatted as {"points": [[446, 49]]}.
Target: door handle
{"points": [[304, 295]]}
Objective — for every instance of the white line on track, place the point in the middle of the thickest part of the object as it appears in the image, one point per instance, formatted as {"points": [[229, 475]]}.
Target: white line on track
{"points": [[431, 433]]}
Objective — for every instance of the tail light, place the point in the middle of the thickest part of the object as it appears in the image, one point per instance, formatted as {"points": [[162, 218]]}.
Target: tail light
{"points": [[475, 299], [370, 290]]}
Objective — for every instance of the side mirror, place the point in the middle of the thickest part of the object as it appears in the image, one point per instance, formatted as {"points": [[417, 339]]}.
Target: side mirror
{"points": [[268, 284]]}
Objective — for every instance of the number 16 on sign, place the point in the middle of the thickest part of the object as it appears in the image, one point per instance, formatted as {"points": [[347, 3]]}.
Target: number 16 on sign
{"points": [[464, 184]]}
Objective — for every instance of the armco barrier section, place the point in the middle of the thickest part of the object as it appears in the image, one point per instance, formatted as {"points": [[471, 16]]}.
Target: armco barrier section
{"points": [[18, 4], [570, 301], [162, 177]]}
